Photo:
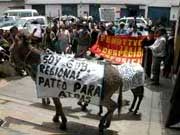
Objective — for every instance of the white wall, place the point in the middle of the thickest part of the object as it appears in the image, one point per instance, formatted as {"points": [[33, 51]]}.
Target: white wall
{"points": [[117, 9], [52, 10], [5, 5], [28, 6], [174, 13], [82, 8]]}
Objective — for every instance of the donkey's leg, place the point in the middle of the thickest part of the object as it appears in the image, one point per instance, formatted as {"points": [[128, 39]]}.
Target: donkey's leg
{"points": [[56, 116], [102, 123], [59, 112], [100, 110], [45, 101], [134, 102], [140, 94], [110, 107], [48, 101], [106, 119], [138, 105]]}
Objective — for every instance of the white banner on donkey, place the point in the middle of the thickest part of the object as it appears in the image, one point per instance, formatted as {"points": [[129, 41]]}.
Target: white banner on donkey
{"points": [[63, 75]]}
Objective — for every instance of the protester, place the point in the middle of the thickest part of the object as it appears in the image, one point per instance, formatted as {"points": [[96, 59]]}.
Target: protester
{"points": [[94, 34], [75, 36], [110, 30], [142, 31], [18, 67], [36, 35], [48, 39], [135, 32], [3, 42], [130, 28], [64, 40], [55, 27], [121, 29], [147, 53], [84, 41], [168, 62], [158, 51]]}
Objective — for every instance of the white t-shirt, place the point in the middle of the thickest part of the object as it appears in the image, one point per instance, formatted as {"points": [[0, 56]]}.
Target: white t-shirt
{"points": [[38, 32]]}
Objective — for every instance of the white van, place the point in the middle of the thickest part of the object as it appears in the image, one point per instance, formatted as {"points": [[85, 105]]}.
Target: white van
{"points": [[24, 23], [21, 12]]}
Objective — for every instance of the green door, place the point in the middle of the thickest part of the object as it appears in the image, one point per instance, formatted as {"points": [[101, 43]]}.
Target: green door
{"points": [[94, 11]]}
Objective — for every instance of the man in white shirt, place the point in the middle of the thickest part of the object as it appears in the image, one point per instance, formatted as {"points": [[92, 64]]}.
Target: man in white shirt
{"points": [[158, 51]]}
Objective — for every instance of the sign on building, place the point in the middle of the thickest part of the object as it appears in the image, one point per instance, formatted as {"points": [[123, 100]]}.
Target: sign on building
{"points": [[107, 14]]}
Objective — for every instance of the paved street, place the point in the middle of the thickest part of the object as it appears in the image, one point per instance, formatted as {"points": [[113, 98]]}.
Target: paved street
{"points": [[24, 114]]}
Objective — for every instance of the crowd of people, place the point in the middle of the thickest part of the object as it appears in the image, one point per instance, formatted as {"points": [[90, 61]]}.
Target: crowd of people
{"points": [[78, 37]]}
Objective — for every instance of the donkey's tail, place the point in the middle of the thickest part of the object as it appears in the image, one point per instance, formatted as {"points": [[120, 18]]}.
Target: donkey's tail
{"points": [[120, 97]]}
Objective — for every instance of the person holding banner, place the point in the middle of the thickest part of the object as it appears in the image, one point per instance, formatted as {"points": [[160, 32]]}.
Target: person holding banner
{"points": [[158, 51], [135, 32], [121, 29]]}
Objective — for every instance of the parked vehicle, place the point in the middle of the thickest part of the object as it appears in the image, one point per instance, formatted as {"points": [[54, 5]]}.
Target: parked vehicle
{"points": [[140, 21], [7, 20], [24, 23], [21, 12]]}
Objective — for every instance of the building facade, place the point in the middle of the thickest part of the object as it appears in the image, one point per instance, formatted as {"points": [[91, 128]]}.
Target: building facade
{"points": [[10, 4], [153, 9]]}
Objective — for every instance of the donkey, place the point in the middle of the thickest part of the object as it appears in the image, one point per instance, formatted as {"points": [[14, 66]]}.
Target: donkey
{"points": [[24, 54]]}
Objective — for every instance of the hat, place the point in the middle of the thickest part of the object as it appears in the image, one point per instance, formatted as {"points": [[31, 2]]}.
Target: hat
{"points": [[121, 23]]}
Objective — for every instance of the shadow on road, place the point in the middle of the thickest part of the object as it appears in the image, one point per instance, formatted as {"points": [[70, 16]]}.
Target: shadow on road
{"points": [[69, 112], [53, 128]]}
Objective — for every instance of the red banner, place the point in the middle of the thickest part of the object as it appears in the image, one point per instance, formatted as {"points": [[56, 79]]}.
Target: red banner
{"points": [[119, 49]]}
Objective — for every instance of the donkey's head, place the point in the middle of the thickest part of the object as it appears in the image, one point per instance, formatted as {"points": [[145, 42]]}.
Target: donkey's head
{"points": [[21, 51]]}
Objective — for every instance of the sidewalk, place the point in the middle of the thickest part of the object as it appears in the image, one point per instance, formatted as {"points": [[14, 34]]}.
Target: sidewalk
{"points": [[24, 113]]}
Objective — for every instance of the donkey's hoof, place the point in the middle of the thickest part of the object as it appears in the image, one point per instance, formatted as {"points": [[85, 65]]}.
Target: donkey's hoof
{"points": [[136, 114], [63, 127], [48, 102], [43, 102], [79, 103], [130, 110], [101, 132], [84, 109], [55, 119], [99, 114], [107, 125]]}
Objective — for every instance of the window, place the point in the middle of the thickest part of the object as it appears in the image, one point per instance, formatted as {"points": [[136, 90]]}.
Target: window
{"points": [[130, 21], [13, 14], [35, 14], [25, 14], [40, 21]]}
